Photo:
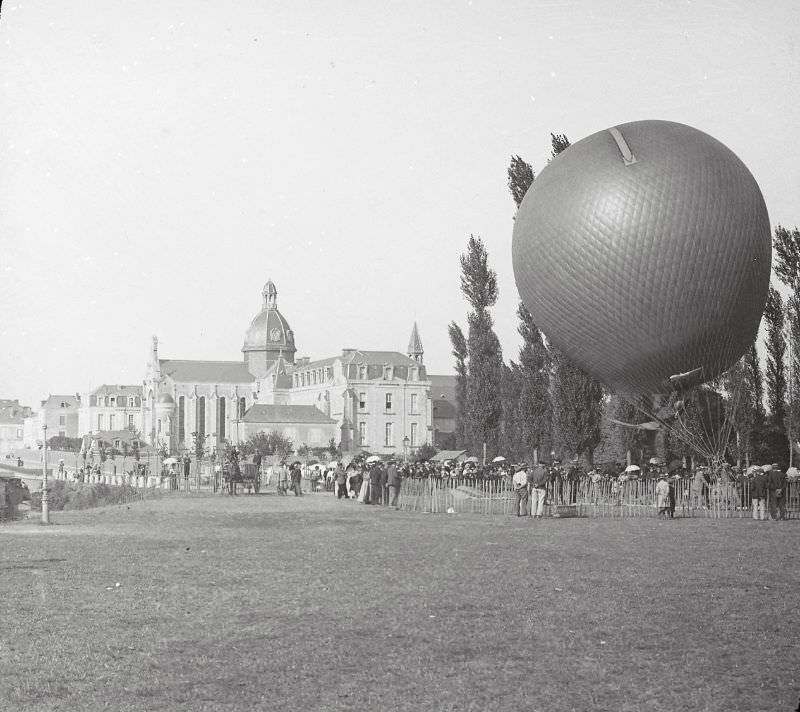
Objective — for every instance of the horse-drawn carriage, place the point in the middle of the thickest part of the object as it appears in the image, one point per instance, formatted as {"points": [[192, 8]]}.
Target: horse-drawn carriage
{"points": [[234, 472]]}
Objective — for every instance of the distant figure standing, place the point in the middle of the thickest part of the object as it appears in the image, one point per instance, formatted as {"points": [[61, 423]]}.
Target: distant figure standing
{"points": [[758, 491], [662, 497], [520, 480], [776, 481], [296, 476], [340, 481], [538, 478], [393, 480], [376, 483]]}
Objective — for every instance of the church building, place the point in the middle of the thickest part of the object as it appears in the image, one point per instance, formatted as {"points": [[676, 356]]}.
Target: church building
{"points": [[376, 401]]}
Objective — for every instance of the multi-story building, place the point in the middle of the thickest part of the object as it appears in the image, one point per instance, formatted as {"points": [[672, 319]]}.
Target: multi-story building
{"points": [[379, 399], [370, 400], [111, 408], [12, 420], [61, 414]]}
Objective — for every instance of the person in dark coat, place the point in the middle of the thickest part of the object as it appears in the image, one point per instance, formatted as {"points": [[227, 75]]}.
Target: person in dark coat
{"points": [[393, 479], [758, 491], [776, 481], [340, 478], [376, 476], [296, 475]]}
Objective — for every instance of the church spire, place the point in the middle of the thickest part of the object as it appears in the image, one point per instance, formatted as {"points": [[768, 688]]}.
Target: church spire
{"points": [[415, 350]]}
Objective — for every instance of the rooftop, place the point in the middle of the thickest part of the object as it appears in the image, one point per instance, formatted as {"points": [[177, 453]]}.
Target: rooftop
{"points": [[285, 414], [206, 371]]}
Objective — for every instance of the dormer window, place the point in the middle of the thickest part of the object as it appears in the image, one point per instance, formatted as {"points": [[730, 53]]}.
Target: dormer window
{"points": [[113, 401], [362, 373], [387, 373]]}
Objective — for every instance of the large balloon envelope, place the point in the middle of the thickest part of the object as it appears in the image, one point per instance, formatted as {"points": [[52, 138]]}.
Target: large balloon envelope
{"points": [[643, 253]]}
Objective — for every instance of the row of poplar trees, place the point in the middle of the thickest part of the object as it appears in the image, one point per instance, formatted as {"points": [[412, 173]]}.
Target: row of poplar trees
{"points": [[542, 406]]}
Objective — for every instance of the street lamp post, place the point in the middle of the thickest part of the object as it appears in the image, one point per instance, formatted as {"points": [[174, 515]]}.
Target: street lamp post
{"points": [[45, 496], [405, 449]]}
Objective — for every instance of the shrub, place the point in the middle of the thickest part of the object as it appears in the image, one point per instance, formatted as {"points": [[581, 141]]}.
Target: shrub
{"points": [[65, 496]]}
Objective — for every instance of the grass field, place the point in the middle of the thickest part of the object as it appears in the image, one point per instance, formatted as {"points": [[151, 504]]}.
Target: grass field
{"points": [[267, 603]]}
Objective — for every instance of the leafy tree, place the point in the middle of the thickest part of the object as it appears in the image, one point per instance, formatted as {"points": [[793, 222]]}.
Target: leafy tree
{"points": [[535, 406], [741, 409], [577, 409], [776, 352], [334, 449], [199, 445], [628, 440], [304, 451], [485, 356], [459, 343], [424, 452], [786, 244], [520, 178], [61, 442], [755, 380], [271, 443]]}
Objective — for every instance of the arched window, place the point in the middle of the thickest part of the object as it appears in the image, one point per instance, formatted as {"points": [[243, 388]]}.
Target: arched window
{"points": [[221, 419], [181, 419], [242, 406], [201, 418]]}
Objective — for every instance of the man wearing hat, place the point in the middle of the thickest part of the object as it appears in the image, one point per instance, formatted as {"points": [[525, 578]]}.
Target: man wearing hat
{"points": [[538, 478], [521, 488], [776, 482], [758, 491]]}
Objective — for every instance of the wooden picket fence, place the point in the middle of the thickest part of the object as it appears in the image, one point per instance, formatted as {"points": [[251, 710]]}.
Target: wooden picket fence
{"points": [[582, 497]]}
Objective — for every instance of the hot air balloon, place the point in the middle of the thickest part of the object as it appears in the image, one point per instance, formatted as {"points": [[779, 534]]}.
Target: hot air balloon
{"points": [[643, 253]]}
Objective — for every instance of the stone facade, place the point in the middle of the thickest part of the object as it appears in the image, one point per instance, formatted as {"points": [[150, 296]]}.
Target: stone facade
{"points": [[111, 407], [371, 400]]}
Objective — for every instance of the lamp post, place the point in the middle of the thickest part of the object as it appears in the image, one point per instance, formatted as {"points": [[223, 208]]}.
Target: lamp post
{"points": [[405, 449], [45, 497]]}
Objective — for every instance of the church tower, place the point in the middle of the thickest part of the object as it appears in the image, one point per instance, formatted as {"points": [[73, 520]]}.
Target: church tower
{"points": [[415, 350], [269, 337]]}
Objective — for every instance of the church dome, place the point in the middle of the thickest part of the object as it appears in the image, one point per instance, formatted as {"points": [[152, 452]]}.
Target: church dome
{"points": [[269, 332], [166, 398]]}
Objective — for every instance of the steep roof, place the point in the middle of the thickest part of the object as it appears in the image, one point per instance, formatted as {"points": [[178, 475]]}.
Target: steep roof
{"points": [[107, 389], [206, 371], [55, 401], [378, 358], [285, 414]]}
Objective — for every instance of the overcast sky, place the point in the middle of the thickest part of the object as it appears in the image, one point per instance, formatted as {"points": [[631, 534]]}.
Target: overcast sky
{"points": [[160, 160]]}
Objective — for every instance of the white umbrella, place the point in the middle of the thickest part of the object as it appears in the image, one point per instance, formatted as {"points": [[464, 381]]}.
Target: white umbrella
{"points": [[333, 464], [655, 461], [171, 461], [499, 458], [632, 468], [471, 459], [792, 472], [373, 458]]}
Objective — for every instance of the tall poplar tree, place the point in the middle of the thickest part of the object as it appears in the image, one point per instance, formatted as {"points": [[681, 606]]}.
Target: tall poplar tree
{"points": [[786, 244], [535, 407], [485, 357], [534, 410], [776, 351], [459, 343]]}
